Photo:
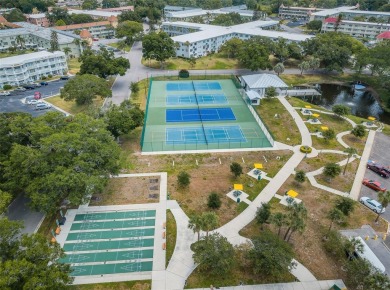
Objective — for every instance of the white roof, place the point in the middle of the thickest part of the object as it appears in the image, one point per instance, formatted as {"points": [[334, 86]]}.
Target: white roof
{"points": [[264, 81], [37, 16], [333, 11], [252, 95], [199, 12], [23, 58], [369, 255], [363, 23], [98, 13]]}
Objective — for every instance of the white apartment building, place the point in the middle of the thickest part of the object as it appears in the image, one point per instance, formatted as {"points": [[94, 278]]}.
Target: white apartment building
{"points": [[26, 68], [351, 13], [299, 13], [95, 14], [36, 37], [358, 29], [196, 40]]}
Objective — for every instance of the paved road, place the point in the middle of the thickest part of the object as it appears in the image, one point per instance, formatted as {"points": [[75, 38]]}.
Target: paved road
{"points": [[19, 210], [13, 102], [380, 153]]}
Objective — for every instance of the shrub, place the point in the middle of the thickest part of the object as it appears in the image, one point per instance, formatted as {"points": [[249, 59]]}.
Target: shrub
{"points": [[236, 169], [134, 87], [329, 134], [184, 73], [305, 149], [44, 78], [183, 179], [359, 131], [50, 76], [214, 201], [300, 176], [7, 87]]}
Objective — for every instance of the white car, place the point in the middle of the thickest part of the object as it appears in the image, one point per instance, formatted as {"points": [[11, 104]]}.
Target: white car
{"points": [[372, 204], [4, 93], [33, 102], [20, 89]]}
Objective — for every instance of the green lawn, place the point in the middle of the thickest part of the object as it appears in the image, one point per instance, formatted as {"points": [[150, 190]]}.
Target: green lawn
{"points": [[170, 236], [73, 65], [127, 48], [128, 285], [18, 52], [71, 106]]}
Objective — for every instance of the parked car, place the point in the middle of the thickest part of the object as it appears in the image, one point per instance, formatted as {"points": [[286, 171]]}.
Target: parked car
{"points": [[375, 185], [44, 83], [64, 77], [5, 93], [29, 87], [372, 204], [42, 106], [378, 170], [33, 102], [21, 89]]}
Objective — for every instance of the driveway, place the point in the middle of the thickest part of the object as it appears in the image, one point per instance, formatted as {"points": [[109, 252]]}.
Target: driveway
{"points": [[380, 153], [14, 102]]}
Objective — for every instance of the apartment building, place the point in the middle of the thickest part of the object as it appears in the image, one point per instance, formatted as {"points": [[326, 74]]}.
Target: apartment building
{"points": [[299, 13], [358, 29], [23, 69], [95, 14], [101, 29], [351, 13], [196, 40], [37, 37], [39, 19], [117, 9]]}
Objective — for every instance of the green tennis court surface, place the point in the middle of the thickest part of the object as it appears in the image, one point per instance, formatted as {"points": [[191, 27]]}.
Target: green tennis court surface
{"points": [[112, 268], [110, 234], [115, 215], [107, 256], [183, 105], [112, 224]]}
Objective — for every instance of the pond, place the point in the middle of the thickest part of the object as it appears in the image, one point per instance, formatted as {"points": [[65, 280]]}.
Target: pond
{"points": [[361, 102]]}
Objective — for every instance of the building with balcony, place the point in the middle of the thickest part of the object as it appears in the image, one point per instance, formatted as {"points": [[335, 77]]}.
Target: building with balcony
{"points": [[299, 13], [95, 14], [38, 38], [117, 9], [39, 19], [352, 13], [357, 29], [27, 68], [196, 40]]}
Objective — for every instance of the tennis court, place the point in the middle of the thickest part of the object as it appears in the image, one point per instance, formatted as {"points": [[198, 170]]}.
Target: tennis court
{"points": [[195, 115], [173, 100], [100, 243], [199, 115]]}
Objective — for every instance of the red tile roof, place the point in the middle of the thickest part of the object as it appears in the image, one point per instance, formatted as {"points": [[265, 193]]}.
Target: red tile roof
{"points": [[82, 25], [384, 35], [331, 20]]}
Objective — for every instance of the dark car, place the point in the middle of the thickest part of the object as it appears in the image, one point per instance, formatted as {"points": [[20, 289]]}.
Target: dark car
{"points": [[44, 83], [29, 87], [64, 77], [378, 170]]}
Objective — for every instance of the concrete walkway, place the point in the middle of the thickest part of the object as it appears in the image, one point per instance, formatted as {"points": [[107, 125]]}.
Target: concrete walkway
{"points": [[339, 138]]}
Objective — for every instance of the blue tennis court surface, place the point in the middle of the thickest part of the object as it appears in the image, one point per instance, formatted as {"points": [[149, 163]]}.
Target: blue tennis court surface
{"points": [[213, 134], [191, 99], [199, 86], [206, 114]]}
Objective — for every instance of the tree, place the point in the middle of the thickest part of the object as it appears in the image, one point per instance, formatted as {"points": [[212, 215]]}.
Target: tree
{"points": [[350, 151], [129, 29], [121, 44], [315, 25], [85, 88], [341, 110], [195, 223], [214, 201], [8, 244], [384, 200], [110, 3], [236, 169], [338, 22], [377, 281], [67, 50], [279, 219], [134, 87], [90, 4], [232, 47], [58, 13], [191, 61], [345, 205], [270, 92], [5, 200], [304, 65], [54, 46], [279, 68], [329, 134], [15, 15], [254, 55], [270, 256], [60, 22], [335, 215], [158, 46], [124, 118], [300, 176], [130, 16], [214, 255], [314, 63], [81, 18], [210, 221], [280, 50], [60, 158], [263, 214], [296, 218], [183, 179], [232, 18], [331, 170], [359, 131], [103, 63]]}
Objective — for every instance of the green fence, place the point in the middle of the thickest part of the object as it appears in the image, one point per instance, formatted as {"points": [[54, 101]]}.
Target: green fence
{"points": [[146, 111], [236, 81]]}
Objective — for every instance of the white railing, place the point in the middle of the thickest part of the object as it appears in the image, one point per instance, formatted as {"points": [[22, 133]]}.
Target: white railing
{"points": [[257, 118]]}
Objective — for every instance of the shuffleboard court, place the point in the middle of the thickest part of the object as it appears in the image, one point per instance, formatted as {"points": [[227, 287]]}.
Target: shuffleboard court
{"points": [[214, 134], [108, 245], [197, 115], [110, 234], [103, 269], [107, 256], [115, 215], [174, 100], [112, 224]]}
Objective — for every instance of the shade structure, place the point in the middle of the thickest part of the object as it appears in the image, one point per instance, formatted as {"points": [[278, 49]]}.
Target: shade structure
{"points": [[292, 193], [371, 118], [316, 115], [324, 128], [308, 107], [238, 186], [258, 166]]}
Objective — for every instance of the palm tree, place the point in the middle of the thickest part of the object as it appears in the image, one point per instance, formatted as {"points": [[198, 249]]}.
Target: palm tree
{"points": [[210, 222], [196, 223], [350, 151], [279, 219], [279, 68], [335, 215], [384, 199], [338, 21], [19, 40], [304, 65], [67, 50], [296, 219], [353, 245]]}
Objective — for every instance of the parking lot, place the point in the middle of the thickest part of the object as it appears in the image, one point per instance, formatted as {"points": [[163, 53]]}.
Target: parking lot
{"points": [[380, 153], [13, 102]]}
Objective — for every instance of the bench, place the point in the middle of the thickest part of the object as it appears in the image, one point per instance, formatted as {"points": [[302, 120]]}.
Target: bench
{"points": [[164, 246], [163, 235], [164, 225]]}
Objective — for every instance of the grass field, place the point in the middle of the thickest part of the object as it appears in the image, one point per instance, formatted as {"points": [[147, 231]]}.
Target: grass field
{"points": [[71, 107], [74, 65], [170, 237], [128, 285], [126, 49]]}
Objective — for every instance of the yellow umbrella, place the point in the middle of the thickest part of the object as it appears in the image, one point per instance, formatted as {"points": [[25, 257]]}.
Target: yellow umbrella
{"points": [[316, 115], [371, 118], [324, 128], [258, 166], [292, 193], [308, 107], [238, 186]]}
